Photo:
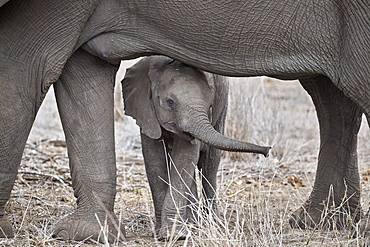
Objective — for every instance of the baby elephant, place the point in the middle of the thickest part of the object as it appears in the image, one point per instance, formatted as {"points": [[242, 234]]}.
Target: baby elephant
{"points": [[175, 105]]}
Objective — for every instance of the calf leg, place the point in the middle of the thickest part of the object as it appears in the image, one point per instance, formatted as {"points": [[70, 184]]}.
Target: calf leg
{"points": [[179, 197], [156, 170], [208, 164]]}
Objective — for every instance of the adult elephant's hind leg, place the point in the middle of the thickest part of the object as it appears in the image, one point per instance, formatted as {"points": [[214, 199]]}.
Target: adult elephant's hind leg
{"points": [[335, 198], [85, 101]]}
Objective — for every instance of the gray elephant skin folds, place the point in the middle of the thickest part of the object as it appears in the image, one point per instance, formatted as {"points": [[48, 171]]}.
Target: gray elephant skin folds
{"points": [[77, 47]]}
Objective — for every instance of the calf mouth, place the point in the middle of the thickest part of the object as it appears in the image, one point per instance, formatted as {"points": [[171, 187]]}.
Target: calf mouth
{"points": [[187, 136]]}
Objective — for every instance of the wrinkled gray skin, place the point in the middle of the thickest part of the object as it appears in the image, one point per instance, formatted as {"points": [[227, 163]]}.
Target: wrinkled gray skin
{"points": [[76, 44], [174, 103]]}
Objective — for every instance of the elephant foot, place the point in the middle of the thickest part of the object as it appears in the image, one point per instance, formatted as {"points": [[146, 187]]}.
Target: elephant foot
{"points": [[6, 230], [309, 216], [305, 218], [175, 227], [99, 226]]}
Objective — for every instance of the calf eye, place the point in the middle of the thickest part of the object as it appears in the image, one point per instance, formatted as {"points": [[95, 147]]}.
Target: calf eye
{"points": [[171, 103]]}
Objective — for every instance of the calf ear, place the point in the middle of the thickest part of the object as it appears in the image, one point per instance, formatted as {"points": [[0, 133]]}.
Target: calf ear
{"points": [[137, 98]]}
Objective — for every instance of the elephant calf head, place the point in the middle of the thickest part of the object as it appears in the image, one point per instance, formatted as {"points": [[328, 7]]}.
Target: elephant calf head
{"points": [[162, 93]]}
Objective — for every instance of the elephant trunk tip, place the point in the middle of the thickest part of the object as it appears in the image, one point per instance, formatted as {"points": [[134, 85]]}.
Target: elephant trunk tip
{"points": [[266, 151]]}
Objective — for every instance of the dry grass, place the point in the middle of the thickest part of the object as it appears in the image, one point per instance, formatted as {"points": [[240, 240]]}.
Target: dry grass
{"points": [[256, 195]]}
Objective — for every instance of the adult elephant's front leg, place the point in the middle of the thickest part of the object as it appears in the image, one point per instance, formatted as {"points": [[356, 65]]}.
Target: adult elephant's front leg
{"points": [[85, 101], [20, 99], [337, 179]]}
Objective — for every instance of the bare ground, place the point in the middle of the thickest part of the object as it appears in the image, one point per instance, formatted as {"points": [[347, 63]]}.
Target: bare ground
{"points": [[256, 195]]}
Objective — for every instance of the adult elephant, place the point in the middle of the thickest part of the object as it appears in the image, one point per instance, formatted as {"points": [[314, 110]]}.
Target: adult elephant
{"points": [[322, 43]]}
